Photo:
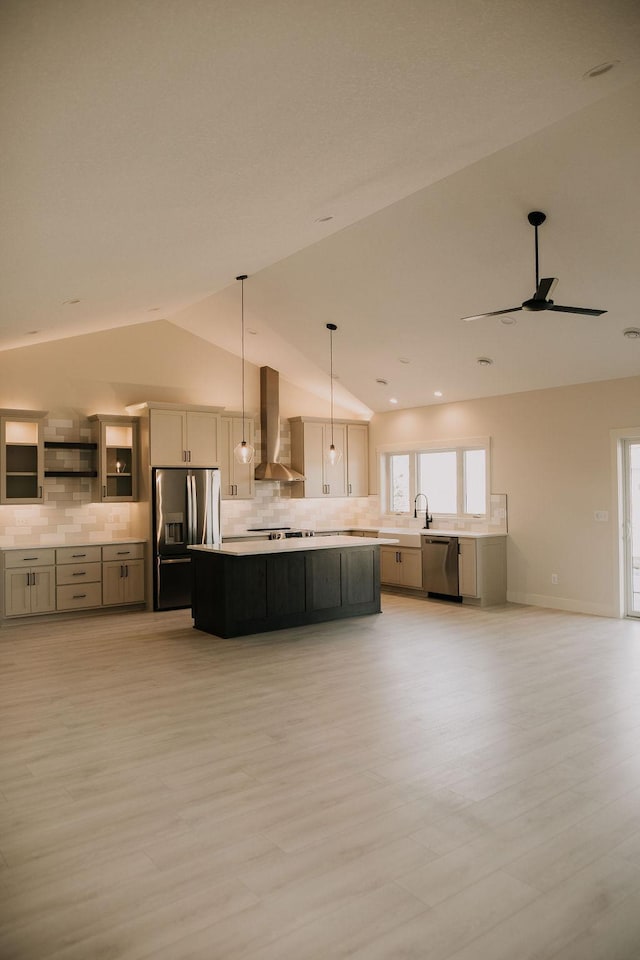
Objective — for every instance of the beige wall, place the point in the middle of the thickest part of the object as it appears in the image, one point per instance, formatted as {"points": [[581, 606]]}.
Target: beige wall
{"points": [[551, 453]]}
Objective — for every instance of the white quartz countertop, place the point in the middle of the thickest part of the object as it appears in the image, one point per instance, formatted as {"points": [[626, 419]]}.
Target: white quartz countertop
{"points": [[247, 548], [70, 542], [432, 532]]}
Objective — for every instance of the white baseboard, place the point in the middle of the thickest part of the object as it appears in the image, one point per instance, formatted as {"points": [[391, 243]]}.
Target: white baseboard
{"points": [[563, 603]]}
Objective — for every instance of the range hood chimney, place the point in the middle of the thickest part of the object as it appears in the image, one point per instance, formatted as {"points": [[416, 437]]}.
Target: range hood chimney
{"points": [[270, 468]]}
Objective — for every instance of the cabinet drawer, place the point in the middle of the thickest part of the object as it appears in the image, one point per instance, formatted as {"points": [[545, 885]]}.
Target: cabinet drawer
{"points": [[29, 558], [123, 551], [78, 555], [78, 596], [79, 573]]}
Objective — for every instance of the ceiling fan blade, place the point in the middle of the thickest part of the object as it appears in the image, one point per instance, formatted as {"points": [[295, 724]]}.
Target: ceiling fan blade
{"points": [[584, 311], [494, 313], [545, 287]]}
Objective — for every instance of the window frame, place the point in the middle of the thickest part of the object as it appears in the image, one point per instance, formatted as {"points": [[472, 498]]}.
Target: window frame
{"points": [[413, 450]]}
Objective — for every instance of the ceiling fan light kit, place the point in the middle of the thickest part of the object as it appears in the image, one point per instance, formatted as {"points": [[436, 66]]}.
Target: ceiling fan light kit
{"points": [[541, 299]]}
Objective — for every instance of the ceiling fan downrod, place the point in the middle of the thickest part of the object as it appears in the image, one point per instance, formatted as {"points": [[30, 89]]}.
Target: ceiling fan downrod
{"points": [[536, 218]]}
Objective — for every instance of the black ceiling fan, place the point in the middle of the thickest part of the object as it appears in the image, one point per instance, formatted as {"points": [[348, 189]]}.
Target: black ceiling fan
{"points": [[540, 301]]}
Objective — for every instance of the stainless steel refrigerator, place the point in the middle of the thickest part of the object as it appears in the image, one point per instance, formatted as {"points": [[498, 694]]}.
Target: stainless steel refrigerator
{"points": [[186, 510]]}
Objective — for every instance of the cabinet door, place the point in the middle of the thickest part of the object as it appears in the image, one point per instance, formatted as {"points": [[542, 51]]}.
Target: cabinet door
{"points": [[237, 479], [17, 593], [43, 589], [167, 440], [357, 460], [467, 567], [133, 590], [410, 568], [314, 483], [118, 459], [202, 438], [21, 461], [335, 476], [112, 583], [388, 565]]}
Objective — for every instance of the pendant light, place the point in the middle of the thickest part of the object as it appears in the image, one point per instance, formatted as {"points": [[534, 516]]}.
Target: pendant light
{"points": [[243, 451], [333, 455]]}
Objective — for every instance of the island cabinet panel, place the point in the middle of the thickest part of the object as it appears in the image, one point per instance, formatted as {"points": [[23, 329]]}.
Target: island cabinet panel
{"points": [[239, 595], [324, 579], [286, 585]]}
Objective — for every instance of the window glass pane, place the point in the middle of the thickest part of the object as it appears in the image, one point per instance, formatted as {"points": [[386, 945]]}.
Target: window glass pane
{"points": [[399, 483], [438, 479], [475, 487]]}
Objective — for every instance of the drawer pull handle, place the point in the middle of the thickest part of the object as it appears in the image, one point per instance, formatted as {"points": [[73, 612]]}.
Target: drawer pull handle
{"points": [[81, 573], [124, 553], [30, 558], [79, 596], [77, 556]]}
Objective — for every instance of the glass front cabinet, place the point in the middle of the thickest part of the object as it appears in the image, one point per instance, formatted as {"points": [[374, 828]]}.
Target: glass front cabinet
{"points": [[21, 456], [117, 440]]}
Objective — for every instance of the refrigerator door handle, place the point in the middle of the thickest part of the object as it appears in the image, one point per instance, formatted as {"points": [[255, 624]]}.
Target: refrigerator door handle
{"points": [[194, 511]]}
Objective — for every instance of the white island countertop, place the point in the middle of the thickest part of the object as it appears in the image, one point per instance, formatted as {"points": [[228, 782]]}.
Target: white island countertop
{"points": [[248, 548]]}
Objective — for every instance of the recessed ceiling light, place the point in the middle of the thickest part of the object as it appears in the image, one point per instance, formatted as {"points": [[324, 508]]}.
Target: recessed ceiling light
{"points": [[437, 393], [323, 219], [404, 360], [631, 333], [383, 383], [600, 69], [484, 361], [66, 303], [32, 333], [508, 321], [393, 399]]}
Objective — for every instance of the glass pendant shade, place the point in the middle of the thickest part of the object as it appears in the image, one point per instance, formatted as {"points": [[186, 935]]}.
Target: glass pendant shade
{"points": [[334, 455], [243, 452]]}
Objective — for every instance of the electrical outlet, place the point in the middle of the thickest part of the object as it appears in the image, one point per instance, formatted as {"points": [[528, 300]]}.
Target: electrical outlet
{"points": [[601, 515], [22, 521], [554, 578]]}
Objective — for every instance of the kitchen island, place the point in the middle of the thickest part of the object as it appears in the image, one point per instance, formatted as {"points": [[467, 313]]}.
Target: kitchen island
{"points": [[254, 586]]}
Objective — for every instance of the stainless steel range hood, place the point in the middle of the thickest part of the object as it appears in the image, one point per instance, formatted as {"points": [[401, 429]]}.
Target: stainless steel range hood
{"points": [[270, 468]]}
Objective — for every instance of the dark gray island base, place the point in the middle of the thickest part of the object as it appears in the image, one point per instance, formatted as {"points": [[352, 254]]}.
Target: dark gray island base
{"points": [[245, 588]]}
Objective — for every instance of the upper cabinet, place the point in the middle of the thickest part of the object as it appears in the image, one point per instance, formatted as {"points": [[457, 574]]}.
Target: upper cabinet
{"points": [[181, 436], [358, 459], [237, 479], [21, 456], [310, 441], [117, 442]]}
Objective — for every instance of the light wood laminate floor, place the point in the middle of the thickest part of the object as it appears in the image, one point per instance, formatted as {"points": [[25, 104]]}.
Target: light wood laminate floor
{"points": [[434, 782]]}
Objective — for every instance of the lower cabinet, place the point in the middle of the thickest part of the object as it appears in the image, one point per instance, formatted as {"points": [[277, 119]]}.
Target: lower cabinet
{"points": [[482, 569], [72, 578], [401, 568], [29, 590]]}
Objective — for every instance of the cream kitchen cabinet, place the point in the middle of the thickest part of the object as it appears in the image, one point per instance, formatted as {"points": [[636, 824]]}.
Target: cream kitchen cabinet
{"points": [[78, 577], [310, 441], [401, 567], [236, 479], [117, 442], [122, 574], [482, 570], [183, 437], [21, 456], [357, 459], [29, 582]]}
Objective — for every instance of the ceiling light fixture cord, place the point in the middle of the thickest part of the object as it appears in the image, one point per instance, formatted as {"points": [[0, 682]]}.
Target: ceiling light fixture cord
{"points": [[334, 455], [244, 451]]}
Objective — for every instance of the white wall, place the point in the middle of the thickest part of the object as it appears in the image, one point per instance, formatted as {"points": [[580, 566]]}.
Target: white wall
{"points": [[551, 455]]}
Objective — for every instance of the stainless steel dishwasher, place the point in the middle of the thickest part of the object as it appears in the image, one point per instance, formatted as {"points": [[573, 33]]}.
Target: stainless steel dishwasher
{"points": [[440, 565]]}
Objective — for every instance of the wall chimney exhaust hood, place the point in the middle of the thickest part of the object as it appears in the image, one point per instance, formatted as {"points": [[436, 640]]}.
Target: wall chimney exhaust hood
{"points": [[270, 468]]}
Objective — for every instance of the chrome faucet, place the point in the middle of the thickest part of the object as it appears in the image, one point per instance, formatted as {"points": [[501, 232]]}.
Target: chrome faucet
{"points": [[427, 518]]}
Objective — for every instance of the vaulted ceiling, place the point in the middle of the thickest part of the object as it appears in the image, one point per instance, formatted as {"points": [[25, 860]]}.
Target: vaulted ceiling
{"points": [[154, 150]]}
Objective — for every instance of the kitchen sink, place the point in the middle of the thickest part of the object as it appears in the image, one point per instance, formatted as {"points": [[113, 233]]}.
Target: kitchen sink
{"points": [[405, 538]]}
